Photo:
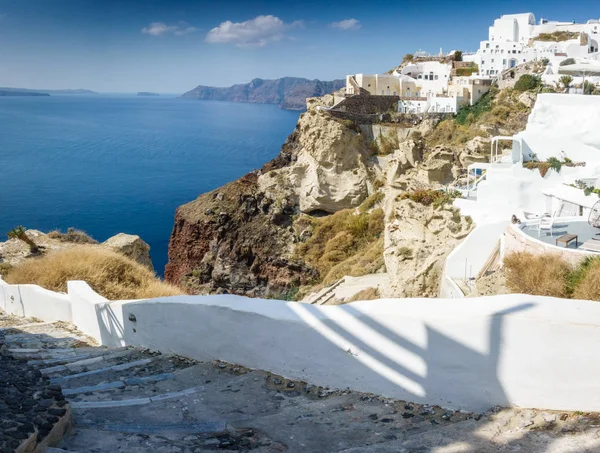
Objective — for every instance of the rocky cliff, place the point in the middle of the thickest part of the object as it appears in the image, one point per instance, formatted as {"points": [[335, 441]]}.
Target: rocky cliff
{"points": [[241, 238], [289, 93], [343, 198]]}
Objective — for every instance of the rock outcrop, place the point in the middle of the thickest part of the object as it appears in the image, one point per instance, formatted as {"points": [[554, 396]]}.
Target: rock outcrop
{"points": [[417, 240], [14, 251], [131, 246], [235, 240], [330, 171], [240, 238]]}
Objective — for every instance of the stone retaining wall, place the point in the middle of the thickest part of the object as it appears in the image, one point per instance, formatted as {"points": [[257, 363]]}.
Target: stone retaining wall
{"points": [[367, 104]]}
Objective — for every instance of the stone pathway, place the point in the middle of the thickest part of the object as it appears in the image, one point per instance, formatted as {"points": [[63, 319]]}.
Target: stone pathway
{"points": [[134, 400]]}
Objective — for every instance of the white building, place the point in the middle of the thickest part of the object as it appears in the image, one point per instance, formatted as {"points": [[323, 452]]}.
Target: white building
{"points": [[511, 42], [423, 86], [430, 104]]}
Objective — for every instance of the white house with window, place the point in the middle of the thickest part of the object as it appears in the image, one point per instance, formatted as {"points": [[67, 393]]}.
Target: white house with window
{"points": [[429, 104], [511, 42]]}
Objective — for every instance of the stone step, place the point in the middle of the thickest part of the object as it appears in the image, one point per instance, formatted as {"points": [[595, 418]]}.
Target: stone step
{"points": [[122, 367], [125, 382]]}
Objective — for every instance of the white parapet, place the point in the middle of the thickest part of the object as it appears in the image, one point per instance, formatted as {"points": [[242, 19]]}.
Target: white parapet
{"points": [[459, 353]]}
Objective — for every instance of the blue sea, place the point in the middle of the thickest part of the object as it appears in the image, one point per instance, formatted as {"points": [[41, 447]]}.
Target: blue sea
{"points": [[109, 164]]}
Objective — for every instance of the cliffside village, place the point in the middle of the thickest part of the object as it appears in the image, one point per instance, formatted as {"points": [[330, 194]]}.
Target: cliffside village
{"points": [[446, 82]]}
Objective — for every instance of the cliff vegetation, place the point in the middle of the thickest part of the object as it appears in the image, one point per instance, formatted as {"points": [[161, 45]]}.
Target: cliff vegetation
{"points": [[109, 273]]}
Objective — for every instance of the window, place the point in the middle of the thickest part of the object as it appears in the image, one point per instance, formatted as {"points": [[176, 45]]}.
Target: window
{"points": [[436, 77], [504, 62], [431, 76], [487, 46]]}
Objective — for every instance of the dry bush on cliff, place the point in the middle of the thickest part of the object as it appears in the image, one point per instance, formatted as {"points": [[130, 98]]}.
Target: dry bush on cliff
{"points": [[345, 243], [585, 280], [110, 274], [72, 235], [541, 275]]}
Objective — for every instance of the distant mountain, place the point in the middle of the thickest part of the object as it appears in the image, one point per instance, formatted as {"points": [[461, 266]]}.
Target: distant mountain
{"points": [[147, 93], [28, 90], [289, 93], [20, 93]]}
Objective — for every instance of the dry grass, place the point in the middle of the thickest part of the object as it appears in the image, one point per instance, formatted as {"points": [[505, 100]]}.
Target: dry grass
{"points": [[365, 294], [586, 280], [542, 275], [72, 235], [110, 274], [496, 108], [367, 260], [344, 243]]}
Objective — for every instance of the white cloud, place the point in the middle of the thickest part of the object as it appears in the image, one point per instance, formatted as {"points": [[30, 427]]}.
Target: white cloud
{"points": [[160, 28], [346, 24], [255, 32]]}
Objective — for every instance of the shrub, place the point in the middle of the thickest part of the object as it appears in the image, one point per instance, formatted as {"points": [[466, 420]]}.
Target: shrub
{"points": [[388, 144], [345, 243], [584, 282], [566, 81], [373, 200], [567, 61], [405, 252], [477, 110], [378, 184], [579, 273], [407, 57], [542, 275], [557, 36], [428, 197], [589, 88], [528, 82], [554, 163], [72, 235], [373, 146], [110, 274], [20, 233], [467, 70], [458, 55]]}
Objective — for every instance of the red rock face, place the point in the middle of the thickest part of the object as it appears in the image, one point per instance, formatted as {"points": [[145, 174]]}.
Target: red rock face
{"points": [[237, 240]]}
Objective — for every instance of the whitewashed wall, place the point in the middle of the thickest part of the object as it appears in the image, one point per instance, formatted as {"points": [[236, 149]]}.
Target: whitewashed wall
{"points": [[460, 353]]}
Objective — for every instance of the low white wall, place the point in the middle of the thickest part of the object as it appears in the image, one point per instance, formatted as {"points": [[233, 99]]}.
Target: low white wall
{"points": [[460, 353], [469, 257], [34, 301]]}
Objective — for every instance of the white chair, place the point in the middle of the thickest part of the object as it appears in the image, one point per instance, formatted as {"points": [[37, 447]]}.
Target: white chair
{"points": [[546, 223]]}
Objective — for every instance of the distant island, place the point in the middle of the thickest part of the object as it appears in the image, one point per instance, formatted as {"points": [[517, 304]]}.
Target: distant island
{"points": [[25, 91], [289, 93], [147, 93], [21, 93]]}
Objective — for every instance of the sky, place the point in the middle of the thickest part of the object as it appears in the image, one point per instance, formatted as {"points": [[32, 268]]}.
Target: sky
{"points": [[171, 46]]}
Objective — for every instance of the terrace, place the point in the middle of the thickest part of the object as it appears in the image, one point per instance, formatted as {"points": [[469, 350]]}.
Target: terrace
{"points": [[561, 226]]}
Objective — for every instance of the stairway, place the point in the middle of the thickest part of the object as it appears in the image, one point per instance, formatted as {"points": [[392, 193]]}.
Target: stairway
{"points": [[135, 400]]}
